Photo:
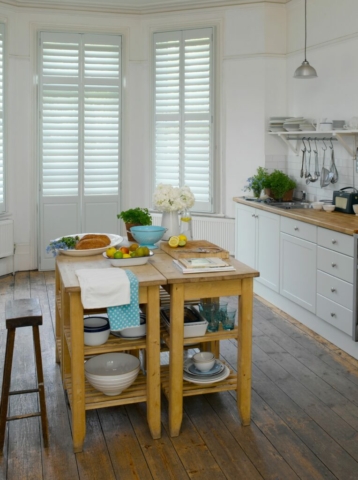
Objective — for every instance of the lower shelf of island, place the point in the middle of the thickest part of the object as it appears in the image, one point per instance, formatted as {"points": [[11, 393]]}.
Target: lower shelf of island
{"points": [[189, 389], [208, 337], [136, 393]]}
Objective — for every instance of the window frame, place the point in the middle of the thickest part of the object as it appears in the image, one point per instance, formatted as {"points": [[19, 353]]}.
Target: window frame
{"points": [[214, 169]]}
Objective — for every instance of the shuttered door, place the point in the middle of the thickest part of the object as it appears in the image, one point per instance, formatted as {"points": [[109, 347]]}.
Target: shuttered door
{"points": [[184, 113], [2, 160], [80, 105]]}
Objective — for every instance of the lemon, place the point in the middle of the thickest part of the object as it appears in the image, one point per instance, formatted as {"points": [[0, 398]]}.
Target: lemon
{"points": [[126, 255], [110, 252], [185, 219], [118, 254], [182, 240], [173, 241], [140, 252], [145, 251]]}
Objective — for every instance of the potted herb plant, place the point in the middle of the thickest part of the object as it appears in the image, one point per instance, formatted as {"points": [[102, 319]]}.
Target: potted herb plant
{"points": [[257, 182], [134, 217], [280, 186]]}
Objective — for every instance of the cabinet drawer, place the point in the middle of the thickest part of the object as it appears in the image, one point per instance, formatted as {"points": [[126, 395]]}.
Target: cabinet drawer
{"points": [[299, 229], [335, 289], [339, 242], [338, 316], [335, 264]]}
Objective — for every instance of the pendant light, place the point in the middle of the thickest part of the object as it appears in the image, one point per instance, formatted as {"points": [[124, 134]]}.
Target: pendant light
{"points": [[305, 70]]}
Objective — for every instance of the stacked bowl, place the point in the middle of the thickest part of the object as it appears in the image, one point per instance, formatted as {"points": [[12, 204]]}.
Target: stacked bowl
{"points": [[96, 330], [111, 373]]}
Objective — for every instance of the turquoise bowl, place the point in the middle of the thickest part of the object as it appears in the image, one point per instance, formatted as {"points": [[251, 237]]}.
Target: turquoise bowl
{"points": [[148, 235]]}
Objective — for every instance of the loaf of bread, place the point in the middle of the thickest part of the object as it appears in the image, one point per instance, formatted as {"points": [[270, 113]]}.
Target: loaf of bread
{"points": [[93, 240]]}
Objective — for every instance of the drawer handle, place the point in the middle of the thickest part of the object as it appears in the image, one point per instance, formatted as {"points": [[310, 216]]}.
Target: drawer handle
{"points": [[334, 265], [253, 215], [333, 290], [333, 315], [334, 241], [296, 228]]}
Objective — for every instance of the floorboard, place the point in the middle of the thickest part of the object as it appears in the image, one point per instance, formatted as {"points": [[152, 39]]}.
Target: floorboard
{"points": [[304, 412]]}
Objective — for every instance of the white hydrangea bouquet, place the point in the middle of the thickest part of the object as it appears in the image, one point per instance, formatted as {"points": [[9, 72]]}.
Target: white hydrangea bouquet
{"points": [[167, 198]]}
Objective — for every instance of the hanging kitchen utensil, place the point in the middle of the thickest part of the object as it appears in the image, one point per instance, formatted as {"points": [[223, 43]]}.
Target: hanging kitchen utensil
{"points": [[307, 173], [303, 156], [326, 175], [333, 168], [317, 172], [314, 177]]}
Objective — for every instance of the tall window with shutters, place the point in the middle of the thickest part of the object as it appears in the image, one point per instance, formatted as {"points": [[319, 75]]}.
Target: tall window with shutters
{"points": [[79, 116], [184, 114], [2, 156]]}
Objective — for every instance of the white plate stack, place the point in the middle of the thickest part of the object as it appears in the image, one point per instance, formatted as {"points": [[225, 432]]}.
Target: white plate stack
{"points": [[276, 124]]}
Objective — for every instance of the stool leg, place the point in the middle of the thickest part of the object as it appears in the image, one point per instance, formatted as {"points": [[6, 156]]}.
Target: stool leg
{"points": [[10, 340], [40, 382]]}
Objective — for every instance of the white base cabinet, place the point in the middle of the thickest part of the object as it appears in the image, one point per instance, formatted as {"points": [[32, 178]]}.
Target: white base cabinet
{"points": [[258, 243], [298, 271]]}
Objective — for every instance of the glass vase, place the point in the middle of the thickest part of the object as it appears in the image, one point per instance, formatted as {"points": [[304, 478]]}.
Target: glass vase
{"points": [[186, 225], [170, 221]]}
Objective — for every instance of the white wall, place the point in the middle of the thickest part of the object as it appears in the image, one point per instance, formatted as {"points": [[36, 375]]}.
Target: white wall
{"points": [[250, 38]]}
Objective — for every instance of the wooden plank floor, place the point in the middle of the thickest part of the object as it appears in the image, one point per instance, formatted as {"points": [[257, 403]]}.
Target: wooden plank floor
{"points": [[304, 412]]}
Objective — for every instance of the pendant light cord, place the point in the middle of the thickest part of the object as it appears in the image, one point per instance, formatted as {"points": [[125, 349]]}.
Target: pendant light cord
{"points": [[305, 29]]}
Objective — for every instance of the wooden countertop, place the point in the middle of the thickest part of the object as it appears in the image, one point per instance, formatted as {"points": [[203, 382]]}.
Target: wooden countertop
{"points": [[337, 221]]}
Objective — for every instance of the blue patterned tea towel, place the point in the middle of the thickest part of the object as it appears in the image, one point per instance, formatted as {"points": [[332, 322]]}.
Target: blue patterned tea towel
{"points": [[123, 316]]}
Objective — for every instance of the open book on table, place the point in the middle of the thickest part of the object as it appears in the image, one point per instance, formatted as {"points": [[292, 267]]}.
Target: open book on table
{"points": [[204, 266]]}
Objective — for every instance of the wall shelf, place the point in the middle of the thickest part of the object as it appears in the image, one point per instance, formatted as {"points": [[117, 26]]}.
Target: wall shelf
{"points": [[290, 137]]}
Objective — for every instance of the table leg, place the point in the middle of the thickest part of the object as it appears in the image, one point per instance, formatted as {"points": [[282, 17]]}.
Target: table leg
{"points": [[176, 358], [65, 363], [153, 362], [57, 319], [244, 357], [78, 373]]}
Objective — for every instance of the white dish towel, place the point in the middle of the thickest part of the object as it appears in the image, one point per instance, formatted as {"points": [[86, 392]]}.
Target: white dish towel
{"points": [[103, 287]]}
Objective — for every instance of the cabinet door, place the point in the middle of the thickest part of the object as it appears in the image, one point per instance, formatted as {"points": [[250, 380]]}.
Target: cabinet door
{"points": [[298, 271], [245, 235], [268, 249]]}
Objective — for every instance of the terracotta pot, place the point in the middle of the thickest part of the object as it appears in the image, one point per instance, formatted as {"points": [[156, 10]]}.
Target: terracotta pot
{"points": [[128, 227]]}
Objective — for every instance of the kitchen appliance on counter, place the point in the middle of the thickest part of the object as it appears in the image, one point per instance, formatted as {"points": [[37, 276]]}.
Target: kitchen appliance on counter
{"points": [[344, 200]]}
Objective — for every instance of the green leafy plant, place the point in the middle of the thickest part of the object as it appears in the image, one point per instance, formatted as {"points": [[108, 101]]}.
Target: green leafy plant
{"points": [[279, 183], [257, 182], [136, 215]]}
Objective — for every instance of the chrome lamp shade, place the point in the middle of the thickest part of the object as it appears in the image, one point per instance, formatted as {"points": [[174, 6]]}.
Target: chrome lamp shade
{"points": [[305, 71]]}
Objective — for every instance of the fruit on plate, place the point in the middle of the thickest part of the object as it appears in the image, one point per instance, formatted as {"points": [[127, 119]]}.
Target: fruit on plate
{"points": [[124, 249], [182, 240], [173, 241], [133, 247], [118, 254], [110, 252], [126, 255]]}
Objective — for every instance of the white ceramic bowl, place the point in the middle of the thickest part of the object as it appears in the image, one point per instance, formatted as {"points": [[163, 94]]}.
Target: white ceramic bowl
{"points": [[329, 208], [111, 373], [317, 205], [132, 332], [95, 322], [128, 262], [93, 339], [204, 361], [355, 208]]}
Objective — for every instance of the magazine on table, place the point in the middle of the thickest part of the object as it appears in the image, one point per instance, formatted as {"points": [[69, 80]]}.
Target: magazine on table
{"points": [[204, 262], [180, 266]]}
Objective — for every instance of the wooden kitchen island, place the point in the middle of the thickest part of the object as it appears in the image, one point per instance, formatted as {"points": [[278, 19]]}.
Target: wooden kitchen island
{"points": [[71, 351], [206, 285]]}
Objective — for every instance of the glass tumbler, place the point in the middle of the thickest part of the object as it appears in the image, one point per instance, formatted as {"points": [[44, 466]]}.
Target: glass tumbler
{"points": [[210, 311]]}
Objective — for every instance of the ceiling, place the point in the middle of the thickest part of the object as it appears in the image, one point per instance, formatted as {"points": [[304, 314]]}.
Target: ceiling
{"points": [[133, 6]]}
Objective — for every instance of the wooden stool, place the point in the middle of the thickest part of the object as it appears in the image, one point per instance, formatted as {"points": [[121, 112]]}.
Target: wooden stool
{"points": [[22, 313]]}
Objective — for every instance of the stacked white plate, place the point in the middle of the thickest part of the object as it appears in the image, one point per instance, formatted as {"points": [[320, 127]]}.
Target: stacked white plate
{"points": [[218, 373], [293, 124], [276, 124]]}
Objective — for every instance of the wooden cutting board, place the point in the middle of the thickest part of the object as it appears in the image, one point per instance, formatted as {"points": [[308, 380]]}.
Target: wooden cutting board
{"points": [[195, 248]]}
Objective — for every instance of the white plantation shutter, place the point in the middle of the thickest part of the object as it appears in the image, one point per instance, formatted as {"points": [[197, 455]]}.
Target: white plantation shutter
{"points": [[80, 103], [184, 112], [2, 159]]}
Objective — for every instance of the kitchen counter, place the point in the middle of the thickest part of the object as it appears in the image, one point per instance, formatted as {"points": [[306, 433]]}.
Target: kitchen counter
{"points": [[337, 221]]}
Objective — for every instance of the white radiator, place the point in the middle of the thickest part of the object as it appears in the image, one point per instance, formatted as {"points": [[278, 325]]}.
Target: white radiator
{"points": [[220, 231], [6, 238]]}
